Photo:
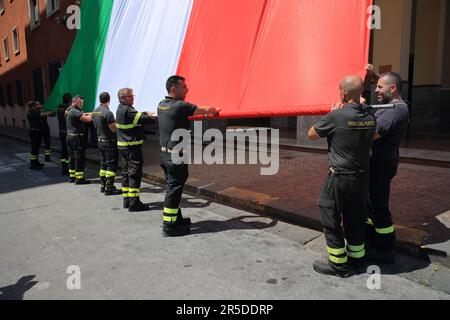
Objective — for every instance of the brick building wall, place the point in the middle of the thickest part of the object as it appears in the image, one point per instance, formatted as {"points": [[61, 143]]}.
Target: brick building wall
{"points": [[44, 46]]}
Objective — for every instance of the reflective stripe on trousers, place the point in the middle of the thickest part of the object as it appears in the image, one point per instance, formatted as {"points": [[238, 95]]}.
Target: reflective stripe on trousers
{"points": [[338, 256], [170, 215]]}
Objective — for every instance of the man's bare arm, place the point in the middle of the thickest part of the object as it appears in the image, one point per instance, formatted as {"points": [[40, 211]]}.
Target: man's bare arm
{"points": [[207, 111], [371, 72], [313, 135], [112, 127], [152, 115], [377, 136], [48, 114], [87, 118]]}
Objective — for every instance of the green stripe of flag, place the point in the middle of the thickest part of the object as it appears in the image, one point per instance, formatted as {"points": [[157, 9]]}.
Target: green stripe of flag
{"points": [[81, 71]]}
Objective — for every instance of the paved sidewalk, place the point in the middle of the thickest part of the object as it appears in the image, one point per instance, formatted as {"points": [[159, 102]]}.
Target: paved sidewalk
{"points": [[48, 225], [420, 199]]}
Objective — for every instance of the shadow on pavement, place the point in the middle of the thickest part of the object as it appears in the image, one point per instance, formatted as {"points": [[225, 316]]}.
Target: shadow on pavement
{"points": [[238, 223], [17, 291], [404, 264], [213, 226], [153, 190], [438, 232]]}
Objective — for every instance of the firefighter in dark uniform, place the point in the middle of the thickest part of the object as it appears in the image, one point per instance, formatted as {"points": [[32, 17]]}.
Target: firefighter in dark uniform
{"points": [[173, 114], [76, 141], [392, 125], [34, 116], [46, 136], [105, 124], [350, 131], [61, 113], [130, 136]]}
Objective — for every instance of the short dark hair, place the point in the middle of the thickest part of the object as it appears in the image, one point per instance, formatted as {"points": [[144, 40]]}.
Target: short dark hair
{"points": [[394, 78], [77, 97], [123, 93], [173, 81], [67, 98], [32, 104], [105, 97]]}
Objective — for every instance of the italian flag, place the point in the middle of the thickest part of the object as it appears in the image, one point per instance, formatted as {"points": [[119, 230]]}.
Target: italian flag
{"points": [[251, 58]]}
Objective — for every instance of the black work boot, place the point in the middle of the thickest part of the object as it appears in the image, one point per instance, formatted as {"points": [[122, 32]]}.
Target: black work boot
{"points": [[40, 164], [329, 269], [72, 176], [371, 236], [82, 182], [175, 230], [113, 192], [126, 199], [137, 206], [110, 189], [48, 155], [102, 184], [183, 221], [35, 165], [64, 169], [382, 257], [358, 265]]}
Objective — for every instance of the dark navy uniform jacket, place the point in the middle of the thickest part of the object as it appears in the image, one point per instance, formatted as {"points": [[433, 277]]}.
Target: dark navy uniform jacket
{"points": [[173, 114], [103, 117], [391, 126], [34, 119], [130, 130], [44, 124], [74, 124], [350, 132], [61, 113]]}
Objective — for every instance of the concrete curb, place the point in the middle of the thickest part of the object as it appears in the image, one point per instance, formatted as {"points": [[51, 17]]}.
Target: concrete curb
{"points": [[410, 241]]}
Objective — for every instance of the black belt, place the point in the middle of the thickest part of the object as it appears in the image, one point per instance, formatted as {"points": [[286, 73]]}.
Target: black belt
{"points": [[166, 150], [346, 172], [76, 134], [171, 151], [107, 140], [32, 129]]}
